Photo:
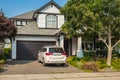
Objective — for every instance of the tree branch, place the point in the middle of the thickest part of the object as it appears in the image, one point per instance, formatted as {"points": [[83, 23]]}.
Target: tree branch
{"points": [[104, 41], [91, 28], [116, 43]]}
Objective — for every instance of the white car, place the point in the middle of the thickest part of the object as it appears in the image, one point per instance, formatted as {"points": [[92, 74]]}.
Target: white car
{"points": [[52, 55]]}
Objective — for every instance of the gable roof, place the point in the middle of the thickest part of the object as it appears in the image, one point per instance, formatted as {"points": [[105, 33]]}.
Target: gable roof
{"points": [[27, 15], [49, 3], [30, 15], [32, 29]]}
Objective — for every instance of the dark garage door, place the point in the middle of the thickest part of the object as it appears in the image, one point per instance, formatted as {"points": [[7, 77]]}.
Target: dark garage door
{"points": [[27, 50]]}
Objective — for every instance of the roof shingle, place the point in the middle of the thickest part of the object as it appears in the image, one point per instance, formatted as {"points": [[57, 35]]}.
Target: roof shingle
{"points": [[32, 29], [27, 15]]}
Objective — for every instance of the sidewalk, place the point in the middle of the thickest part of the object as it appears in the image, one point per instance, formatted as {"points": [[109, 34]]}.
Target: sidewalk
{"points": [[64, 76]]}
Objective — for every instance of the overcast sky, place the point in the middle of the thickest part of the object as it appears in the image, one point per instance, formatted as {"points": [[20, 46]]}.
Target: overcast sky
{"points": [[15, 7]]}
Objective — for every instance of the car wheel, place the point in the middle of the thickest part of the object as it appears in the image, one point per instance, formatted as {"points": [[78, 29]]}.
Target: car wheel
{"points": [[44, 64], [39, 61]]}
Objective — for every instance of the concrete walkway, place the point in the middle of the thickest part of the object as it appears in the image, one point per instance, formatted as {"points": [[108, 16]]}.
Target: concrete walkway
{"points": [[64, 76]]}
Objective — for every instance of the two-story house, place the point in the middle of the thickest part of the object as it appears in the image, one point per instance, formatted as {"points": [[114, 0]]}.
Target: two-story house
{"points": [[39, 28]]}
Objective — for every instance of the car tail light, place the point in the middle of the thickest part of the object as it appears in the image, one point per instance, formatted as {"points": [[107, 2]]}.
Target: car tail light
{"points": [[48, 54], [64, 53]]}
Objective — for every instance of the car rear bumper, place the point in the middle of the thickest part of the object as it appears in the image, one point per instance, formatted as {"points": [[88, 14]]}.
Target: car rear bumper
{"points": [[56, 61]]}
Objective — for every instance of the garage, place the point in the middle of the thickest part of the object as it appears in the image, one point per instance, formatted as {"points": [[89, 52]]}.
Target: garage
{"points": [[27, 50]]}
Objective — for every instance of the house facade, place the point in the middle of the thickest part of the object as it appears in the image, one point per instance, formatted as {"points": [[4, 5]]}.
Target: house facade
{"points": [[38, 28]]}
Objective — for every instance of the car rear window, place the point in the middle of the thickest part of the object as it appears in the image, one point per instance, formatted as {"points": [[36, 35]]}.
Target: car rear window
{"points": [[56, 50]]}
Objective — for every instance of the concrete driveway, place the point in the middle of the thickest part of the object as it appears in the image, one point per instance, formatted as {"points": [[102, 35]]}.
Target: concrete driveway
{"points": [[33, 67]]}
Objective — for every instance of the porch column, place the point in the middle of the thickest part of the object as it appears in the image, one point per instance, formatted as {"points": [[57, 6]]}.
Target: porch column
{"points": [[79, 49], [57, 42], [62, 41], [13, 49]]}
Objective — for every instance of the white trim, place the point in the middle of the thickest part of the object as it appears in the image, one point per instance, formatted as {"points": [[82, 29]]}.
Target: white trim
{"points": [[79, 51], [74, 46], [62, 41]]}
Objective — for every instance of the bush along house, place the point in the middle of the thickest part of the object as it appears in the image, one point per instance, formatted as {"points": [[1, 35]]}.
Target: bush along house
{"points": [[39, 28]]}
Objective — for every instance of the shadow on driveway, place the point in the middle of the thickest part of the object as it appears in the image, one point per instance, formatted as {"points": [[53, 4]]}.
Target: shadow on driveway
{"points": [[33, 67]]}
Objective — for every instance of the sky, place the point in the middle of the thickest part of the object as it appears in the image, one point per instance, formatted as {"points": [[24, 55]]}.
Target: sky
{"points": [[13, 8]]}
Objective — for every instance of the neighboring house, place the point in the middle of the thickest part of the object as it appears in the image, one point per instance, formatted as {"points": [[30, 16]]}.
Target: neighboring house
{"points": [[7, 43], [38, 28]]}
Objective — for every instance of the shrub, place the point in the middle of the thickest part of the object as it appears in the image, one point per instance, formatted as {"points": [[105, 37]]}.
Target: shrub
{"points": [[88, 58], [115, 54], [1, 67], [1, 64], [73, 60], [89, 55], [3, 57], [102, 63], [92, 66], [87, 65], [80, 63], [7, 52], [116, 63]]}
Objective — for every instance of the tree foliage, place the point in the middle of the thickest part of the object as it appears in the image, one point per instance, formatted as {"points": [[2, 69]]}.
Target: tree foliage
{"points": [[101, 17], [7, 29]]}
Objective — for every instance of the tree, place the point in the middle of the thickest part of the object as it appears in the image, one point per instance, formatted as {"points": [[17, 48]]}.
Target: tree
{"points": [[101, 17], [7, 30]]}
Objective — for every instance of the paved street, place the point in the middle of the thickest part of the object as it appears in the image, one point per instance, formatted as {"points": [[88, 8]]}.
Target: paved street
{"points": [[64, 76]]}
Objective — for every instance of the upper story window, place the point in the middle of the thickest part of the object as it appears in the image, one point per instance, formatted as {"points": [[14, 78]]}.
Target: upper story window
{"points": [[21, 23], [18, 23], [51, 21], [24, 23]]}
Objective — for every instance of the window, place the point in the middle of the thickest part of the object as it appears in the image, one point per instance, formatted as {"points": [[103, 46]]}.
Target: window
{"points": [[51, 21], [21, 23], [24, 23], [18, 23]]}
